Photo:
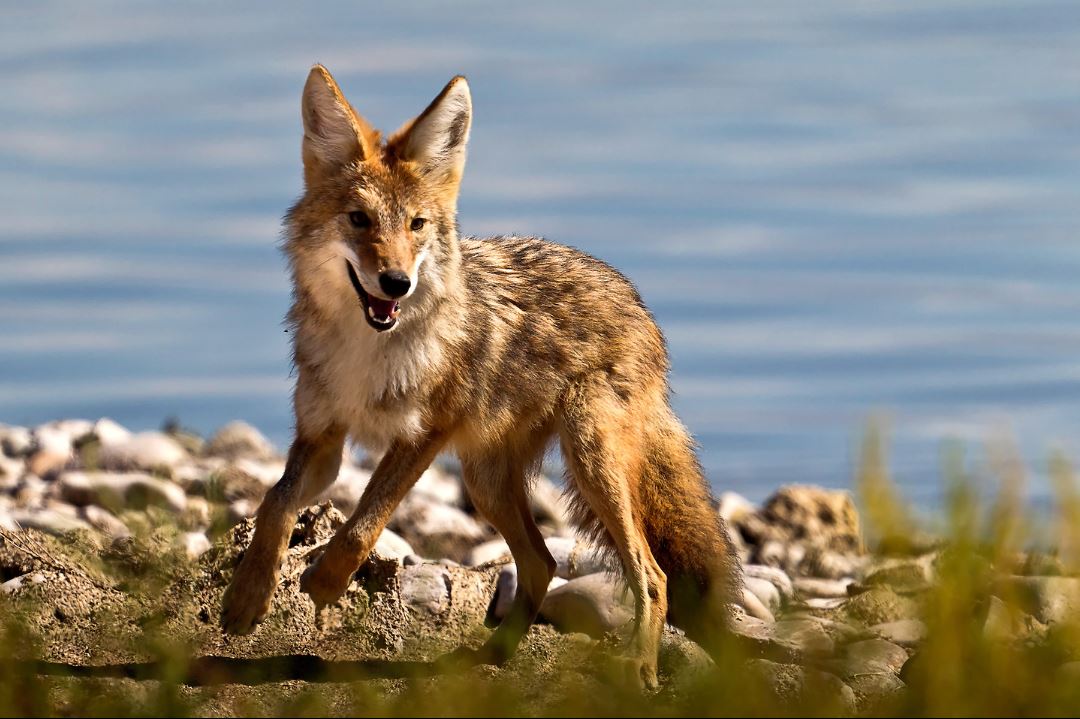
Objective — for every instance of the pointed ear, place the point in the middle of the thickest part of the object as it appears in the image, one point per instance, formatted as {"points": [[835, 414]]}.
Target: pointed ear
{"points": [[435, 141], [334, 133]]}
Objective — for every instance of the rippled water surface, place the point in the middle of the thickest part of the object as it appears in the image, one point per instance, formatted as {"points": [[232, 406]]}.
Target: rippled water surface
{"points": [[833, 208]]}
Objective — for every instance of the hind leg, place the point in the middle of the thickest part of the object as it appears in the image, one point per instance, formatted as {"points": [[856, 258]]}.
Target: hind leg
{"points": [[601, 441], [497, 488]]}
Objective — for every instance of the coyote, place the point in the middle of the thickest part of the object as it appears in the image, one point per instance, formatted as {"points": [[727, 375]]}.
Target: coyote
{"points": [[412, 340]]}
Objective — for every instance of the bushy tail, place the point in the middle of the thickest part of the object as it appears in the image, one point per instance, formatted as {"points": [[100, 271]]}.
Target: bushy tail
{"points": [[687, 536]]}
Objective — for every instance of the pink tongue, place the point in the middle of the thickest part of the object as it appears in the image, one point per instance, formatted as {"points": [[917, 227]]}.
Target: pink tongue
{"points": [[383, 308]]}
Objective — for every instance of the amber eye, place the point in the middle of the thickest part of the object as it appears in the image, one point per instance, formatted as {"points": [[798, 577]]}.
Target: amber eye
{"points": [[417, 224], [360, 220]]}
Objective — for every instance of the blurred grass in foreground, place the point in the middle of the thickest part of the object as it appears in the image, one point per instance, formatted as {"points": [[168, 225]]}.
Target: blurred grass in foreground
{"points": [[960, 669]]}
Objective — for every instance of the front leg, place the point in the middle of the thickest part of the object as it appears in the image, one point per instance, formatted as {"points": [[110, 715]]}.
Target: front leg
{"points": [[312, 466], [329, 575]]}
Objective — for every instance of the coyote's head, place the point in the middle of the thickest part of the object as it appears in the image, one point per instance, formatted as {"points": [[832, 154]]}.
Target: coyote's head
{"points": [[377, 215]]}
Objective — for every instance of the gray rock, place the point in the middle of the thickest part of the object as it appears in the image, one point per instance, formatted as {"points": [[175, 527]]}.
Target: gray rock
{"points": [[593, 604], [826, 603], [806, 635], [797, 688], [505, 588], [905, 632], [906, 576], [120, 491], [778, 577], [877, 694], [1005, 623], [147, 451], [435, 529], [683, 660], [879, 605], [238, 440], [828, 564], [822, 588], [425, 588], [1049, 599], [412, 560], [870, 656], [765, 591], [266, 471]]}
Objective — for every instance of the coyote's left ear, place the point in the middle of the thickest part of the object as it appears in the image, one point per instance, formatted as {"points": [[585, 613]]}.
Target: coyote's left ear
{"points": [[435, 141]]}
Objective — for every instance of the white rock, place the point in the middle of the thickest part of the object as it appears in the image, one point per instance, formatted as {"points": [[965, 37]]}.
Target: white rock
{"points": [[268, 472], [11, 470], [49, 520], [822, 588], [765, 591], [195, 544], [7, 522], [392, 546], [15, 584], [575, 558], [148, 451], [492, 551], [54, 440], [420, 516], [346, 491], [754, 606], [134, 491], [239, 439], [441, 486], [109, 432], [548, 504], [778, 577], [16, 441], [733, 506], [241, 509]]}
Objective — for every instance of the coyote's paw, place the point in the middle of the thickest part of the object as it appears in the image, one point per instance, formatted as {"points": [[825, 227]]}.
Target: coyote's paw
{"points": [[247, 600], [325, 581]]}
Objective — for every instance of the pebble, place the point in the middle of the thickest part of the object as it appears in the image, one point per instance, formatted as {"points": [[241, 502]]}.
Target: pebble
{"points": [[195, 544], [121, 491]]}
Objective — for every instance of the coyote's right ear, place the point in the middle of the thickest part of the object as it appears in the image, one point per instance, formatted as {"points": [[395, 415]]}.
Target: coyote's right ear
{"points": [[334, 133]]}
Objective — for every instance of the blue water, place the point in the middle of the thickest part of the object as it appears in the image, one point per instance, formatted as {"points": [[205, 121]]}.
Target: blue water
{"points": [[835, 209]]}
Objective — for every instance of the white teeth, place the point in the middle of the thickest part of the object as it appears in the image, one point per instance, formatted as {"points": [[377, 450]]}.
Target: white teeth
{"points": [[380, 320]]}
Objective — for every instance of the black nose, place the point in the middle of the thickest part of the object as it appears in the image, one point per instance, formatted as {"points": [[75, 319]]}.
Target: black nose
{"points": [[394, 283]]}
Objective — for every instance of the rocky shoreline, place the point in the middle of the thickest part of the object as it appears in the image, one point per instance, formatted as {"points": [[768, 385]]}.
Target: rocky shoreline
{"points": [[819, 613]]}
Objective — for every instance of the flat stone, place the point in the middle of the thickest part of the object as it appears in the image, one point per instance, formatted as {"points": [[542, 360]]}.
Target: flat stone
{"points": [[871, 656], [904, 632], [50, 521], [575, 558], [822, 588], [147, 451], [120, 491], [593, 604]]}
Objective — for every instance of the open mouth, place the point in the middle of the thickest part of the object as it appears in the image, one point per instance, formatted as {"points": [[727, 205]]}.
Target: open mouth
{"points": [[380, 314]]}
